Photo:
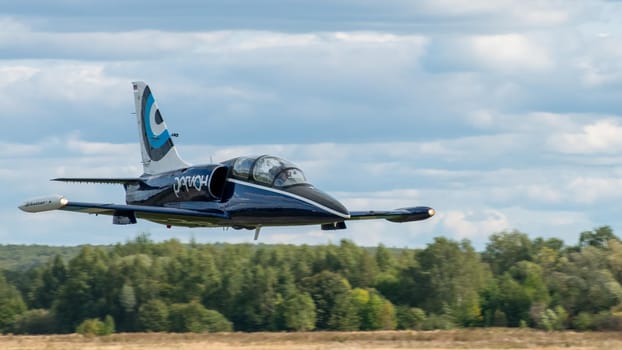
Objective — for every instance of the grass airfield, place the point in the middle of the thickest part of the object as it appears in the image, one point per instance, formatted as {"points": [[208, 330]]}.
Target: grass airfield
{"points": [[482, 338]]}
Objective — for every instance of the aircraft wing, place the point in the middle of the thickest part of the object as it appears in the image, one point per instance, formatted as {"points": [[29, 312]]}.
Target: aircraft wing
{"points": [[97, 180], [163, 215], [397, 215]]}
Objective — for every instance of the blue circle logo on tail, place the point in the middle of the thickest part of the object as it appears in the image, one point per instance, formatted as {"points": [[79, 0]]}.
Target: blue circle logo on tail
{"points": [[156, 137]]}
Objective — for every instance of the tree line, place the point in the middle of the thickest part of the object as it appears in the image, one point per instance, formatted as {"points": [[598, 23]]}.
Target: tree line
{"points": [[168, 286]]}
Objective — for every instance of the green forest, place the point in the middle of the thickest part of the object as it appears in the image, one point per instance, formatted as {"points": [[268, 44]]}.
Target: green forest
{"points": [[146, 286]]}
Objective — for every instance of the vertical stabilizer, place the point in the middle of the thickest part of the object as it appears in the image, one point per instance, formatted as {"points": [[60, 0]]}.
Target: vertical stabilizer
{"points": [[157, 149]]}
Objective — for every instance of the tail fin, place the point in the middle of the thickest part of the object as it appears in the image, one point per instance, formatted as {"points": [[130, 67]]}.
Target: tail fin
{"points": [[158, 151]]}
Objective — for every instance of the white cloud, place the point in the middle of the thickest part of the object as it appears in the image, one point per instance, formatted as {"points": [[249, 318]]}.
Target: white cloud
{"points": [[511, 11], [75, 144], [473, 225], [12, 74], [81, 70], [477, 190], [9, 26], [544, 193], [27, 88], [481, 118], [601, 136], [591, 190], [381, 200], [499, 114], [509, 52], [598, 58], [219, 45], [13, 150]]}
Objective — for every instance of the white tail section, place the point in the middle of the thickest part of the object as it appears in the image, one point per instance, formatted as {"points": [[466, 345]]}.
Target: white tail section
{"points": [[158, 151]]}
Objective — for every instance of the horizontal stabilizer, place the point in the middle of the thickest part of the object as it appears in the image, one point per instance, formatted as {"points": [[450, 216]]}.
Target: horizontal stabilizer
{"points": [[95, 180]]}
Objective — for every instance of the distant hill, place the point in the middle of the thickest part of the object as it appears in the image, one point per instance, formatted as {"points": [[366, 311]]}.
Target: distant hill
{"points": [[18, 257], [23, 257]]}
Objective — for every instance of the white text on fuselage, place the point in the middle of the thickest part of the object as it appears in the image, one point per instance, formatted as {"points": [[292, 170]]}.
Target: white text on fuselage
{"points": [[187, 183]]}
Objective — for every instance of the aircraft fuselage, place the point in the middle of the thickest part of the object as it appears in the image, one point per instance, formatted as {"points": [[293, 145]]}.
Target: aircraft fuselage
{"points": [[246, 203]]}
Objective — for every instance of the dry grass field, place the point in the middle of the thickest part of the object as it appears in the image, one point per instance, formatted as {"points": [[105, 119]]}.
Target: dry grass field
{"points": [[454, 339]]}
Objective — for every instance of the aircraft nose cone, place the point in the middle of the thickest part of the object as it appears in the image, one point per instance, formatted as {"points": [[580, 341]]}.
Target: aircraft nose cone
{"points": [[322, 200]]}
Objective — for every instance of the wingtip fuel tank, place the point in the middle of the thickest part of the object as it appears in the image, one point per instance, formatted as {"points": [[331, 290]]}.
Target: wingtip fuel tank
{"points": [[44, 204]]}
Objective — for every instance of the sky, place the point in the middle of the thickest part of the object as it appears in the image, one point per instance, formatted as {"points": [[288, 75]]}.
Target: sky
{"points": [[502, 115]]}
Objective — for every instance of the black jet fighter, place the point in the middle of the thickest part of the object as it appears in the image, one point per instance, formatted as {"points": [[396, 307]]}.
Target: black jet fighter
{"points": [[243, 193]]}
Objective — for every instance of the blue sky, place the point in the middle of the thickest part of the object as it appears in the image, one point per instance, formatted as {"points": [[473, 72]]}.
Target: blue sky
{"points": [[502, 115]]}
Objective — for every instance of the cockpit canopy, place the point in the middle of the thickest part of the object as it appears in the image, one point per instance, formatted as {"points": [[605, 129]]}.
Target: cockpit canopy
{"points": [[267, 170]]}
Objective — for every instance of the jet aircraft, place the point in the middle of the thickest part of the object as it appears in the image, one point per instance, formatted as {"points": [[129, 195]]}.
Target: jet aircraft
{"points": [[248, 192]]}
